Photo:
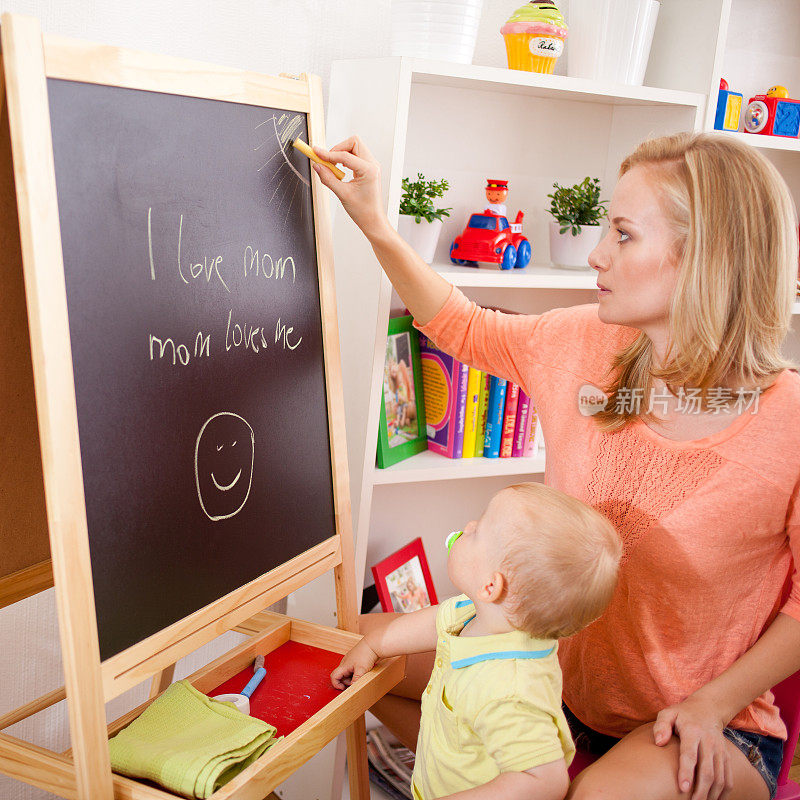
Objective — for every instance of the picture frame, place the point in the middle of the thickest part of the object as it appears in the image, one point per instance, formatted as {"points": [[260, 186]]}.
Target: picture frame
{"points": [[403, 580], [402, 432]]}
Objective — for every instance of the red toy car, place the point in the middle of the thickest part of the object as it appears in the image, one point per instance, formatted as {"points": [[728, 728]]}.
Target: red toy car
{"points": [[490, 238]]}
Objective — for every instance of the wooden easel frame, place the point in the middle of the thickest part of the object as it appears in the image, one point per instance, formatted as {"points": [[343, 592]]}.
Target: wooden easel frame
{"points": [[29, 58]]}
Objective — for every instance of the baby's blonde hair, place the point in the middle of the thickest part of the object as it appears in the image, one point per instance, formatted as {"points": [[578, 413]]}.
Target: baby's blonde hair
{"points": [[561, 560]]}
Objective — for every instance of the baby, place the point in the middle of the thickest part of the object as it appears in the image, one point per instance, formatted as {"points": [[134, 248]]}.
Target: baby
{"points": [[538, 565]]}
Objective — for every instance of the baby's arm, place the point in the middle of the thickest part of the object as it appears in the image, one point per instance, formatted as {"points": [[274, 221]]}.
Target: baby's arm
{"points": [[402, 634], [545, 782]]}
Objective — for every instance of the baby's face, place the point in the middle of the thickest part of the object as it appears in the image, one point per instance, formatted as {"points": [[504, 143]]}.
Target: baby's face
{"points": [[478, 552]]}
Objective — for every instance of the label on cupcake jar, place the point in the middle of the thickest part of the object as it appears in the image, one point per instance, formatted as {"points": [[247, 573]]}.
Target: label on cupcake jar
{"points": [[546, 46]]}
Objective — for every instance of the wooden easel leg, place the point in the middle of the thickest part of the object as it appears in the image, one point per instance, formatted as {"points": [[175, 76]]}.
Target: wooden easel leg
{"points": [[40, 236], [345, 583], [161, 681], [357, 766]]}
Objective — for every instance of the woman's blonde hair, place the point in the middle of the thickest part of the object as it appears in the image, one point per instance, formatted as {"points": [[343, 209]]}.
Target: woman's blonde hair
{"points": [[736, 248], [561, 559]]}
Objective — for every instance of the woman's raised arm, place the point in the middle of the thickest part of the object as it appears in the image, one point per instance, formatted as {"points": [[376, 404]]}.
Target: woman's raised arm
{"points": [[421, 288]]}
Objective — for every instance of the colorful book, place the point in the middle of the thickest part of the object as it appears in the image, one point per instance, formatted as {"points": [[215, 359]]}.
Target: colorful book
{"points": [[471, 422], [494, 417], [534, 438], [483, 403], [461, 382], [443, 380], [509, 420], [522, 428]]}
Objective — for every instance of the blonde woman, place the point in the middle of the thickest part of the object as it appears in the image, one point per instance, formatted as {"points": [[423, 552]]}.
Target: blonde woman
{"points": [[695, 458]]}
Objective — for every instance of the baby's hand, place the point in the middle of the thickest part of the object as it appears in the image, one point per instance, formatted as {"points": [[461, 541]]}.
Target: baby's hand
{"points": [[360, 660]]}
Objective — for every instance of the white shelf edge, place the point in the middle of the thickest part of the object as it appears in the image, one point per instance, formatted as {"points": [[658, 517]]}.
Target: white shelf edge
{"points": [[425, 71], [541, 276], [763, 142], [430, 466], [532, 277]]}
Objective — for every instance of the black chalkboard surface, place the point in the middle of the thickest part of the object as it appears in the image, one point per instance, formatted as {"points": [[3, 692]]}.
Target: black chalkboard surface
{"points": [[195, 330]]}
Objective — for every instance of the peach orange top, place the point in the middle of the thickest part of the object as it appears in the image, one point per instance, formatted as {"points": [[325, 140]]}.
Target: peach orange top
{"points": [[709, 526]]}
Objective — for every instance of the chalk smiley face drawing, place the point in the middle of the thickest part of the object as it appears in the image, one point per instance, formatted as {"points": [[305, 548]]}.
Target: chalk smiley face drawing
{"points": [[223, 464]]}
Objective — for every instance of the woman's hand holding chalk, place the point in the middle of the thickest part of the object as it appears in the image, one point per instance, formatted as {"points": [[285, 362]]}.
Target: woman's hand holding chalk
{"points": [[361, 196], [300, 145]]}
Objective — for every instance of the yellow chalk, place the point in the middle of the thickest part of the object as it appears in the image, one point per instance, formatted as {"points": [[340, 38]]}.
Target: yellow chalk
{"points": [[307, 151]]}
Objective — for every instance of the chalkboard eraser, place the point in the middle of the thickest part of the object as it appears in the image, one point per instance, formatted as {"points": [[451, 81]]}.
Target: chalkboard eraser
{"points": [[300, 145]]}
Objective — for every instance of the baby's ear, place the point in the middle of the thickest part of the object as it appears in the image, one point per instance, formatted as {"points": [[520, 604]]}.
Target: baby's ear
{"points": [[495, 589]]}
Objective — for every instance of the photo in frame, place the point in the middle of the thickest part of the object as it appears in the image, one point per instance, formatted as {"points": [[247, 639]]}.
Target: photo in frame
{"points": [[403, 580], [401, 432]]}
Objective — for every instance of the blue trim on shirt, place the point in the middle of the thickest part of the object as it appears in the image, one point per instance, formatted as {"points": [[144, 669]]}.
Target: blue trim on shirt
{"points": [[468, 621], [462, 603], [508, 654]]}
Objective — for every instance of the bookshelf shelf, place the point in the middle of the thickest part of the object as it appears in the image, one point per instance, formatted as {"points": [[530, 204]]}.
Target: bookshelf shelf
{"points": [[534, 276], [766, 142], [555, 87], [430, 466]]}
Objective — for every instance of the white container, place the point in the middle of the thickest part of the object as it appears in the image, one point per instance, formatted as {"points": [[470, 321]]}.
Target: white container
{"points": [[241, 702], [423, 236], [609, 40], [572, 252], [444, 30]]}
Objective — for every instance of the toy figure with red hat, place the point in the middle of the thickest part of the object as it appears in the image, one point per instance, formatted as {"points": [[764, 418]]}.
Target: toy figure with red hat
{"points": [[489, 237], [496, 193]]}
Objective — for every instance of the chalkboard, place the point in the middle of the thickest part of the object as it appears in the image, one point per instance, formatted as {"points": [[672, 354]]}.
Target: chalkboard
{"points": [[194, 316]]}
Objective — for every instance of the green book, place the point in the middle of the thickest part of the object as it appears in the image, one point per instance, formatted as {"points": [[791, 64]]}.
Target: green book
{"points": [[483, 402]]}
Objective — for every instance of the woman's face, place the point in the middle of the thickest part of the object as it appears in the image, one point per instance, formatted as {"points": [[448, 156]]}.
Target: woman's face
{"points": [[635, 262]]}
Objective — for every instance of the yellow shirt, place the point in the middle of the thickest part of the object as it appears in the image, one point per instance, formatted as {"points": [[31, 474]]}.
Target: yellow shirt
{"points": [[492, 705]]}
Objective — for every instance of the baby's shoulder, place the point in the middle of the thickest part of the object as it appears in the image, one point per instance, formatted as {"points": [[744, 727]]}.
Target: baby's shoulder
{"points": [[513, 679], [453, 613]]}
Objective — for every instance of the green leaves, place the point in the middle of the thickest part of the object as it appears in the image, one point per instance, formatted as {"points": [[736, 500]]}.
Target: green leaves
{"points": [[577, 205], [417, 198]]}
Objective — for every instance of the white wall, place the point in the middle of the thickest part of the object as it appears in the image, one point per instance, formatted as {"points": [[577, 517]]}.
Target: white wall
{"points": [[270, 36]]}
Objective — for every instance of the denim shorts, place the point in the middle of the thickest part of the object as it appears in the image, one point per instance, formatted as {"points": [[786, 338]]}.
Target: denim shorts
{"points": [[765, 753]]}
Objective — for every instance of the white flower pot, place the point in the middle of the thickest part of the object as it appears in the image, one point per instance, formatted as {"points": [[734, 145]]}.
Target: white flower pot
{"points": [[572, 252], [609, 40], [423, 236], [445, 30]]}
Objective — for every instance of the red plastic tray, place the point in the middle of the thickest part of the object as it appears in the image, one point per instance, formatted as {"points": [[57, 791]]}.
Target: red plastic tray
{"points": [[297, 685]]}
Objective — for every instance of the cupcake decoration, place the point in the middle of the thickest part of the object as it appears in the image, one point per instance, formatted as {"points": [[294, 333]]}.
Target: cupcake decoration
{"points": [[534, 35]]}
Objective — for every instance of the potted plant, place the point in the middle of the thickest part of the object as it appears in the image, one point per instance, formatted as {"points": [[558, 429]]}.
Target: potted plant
{"points": [[420, 221], [576, 230]]}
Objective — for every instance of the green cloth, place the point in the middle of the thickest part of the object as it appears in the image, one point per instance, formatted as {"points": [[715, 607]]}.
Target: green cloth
{"points": [[189, 743]]}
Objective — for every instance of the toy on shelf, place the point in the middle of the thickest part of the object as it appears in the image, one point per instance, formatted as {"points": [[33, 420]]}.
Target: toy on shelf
{"points": [[773, 114], [489, 237], [534, 36], [496, 193], [729, 108]]}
